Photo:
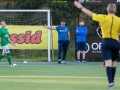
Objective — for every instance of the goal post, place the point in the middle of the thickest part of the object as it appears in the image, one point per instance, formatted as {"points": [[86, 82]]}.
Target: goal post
{"points": [[28, 19]]}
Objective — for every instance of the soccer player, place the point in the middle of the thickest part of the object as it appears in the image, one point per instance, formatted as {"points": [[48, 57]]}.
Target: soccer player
{"points": [[4, 40], [110, 25], [81, 32], [63, 39]]}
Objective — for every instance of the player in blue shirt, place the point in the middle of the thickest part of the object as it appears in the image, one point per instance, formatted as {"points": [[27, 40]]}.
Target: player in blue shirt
{"points": [[63, 39], [81, 32]]}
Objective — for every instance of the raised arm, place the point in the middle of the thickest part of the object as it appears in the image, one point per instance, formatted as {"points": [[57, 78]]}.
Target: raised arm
{"points": [[51, 28], [83, 9]]}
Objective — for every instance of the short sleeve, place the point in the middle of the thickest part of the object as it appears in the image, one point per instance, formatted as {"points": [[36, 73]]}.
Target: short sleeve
{"points": [[57, 28], [68, 29], [98, 17]]}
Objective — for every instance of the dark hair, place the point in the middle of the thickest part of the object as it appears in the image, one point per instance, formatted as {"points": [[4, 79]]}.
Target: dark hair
{"points": [[63, 20], [81, 20]]}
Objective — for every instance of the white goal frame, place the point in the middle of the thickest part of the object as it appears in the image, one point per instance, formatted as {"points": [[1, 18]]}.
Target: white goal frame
{"points": [[48, 23]]}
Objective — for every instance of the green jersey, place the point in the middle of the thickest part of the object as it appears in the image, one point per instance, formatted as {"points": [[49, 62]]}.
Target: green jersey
{"points": [[4, 36]]}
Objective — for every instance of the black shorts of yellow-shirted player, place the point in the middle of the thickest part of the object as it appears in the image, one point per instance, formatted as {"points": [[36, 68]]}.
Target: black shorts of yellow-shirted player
{"points": [[4, 40], [110, 25]]}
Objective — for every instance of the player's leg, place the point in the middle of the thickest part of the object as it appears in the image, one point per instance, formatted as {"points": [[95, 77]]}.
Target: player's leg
{"points": [[113, 70], [107, 55], [1, 56], [65, 49], [108, 63], [3, 53], [60, 45], [78, 56], [78, 48], [7, 52], [83, 52], [115, 56], [83, 56]]}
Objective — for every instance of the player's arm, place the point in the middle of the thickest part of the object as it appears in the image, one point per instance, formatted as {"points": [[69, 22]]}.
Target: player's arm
{"points": [[118, 34], [0, 36], [68, 33], [11, 41], [79, 32], [83, 9], [0, 40], [86, 30], [51, 28], [69, 36]]}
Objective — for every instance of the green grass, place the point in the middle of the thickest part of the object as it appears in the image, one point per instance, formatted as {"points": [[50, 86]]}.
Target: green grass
{"points": [[59, 77]]}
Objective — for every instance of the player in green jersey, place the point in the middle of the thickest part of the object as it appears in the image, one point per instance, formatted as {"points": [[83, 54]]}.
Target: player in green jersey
{"points": [[4, 40]]}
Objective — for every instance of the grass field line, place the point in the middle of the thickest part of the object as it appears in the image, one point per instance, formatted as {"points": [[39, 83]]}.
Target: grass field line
{"points": [[50, 77], [69, 77]]}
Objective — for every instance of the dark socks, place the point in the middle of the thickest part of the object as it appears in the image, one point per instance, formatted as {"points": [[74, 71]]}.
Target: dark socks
{"points": [[1, 56], [9, 58], [113, 73], [109, 74]]}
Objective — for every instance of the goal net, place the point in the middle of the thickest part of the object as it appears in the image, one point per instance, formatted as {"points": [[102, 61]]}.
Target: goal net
{"points": [[26, 30]]}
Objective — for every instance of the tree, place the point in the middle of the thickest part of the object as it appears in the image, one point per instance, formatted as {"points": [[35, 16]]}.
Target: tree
{"points": [[61, 10], [26, 4]]}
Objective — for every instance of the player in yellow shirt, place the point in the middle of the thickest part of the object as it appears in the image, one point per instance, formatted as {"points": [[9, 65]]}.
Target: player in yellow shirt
{"points": [[110, 25]]}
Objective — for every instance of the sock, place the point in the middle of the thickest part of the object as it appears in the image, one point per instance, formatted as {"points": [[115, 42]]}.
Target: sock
{"points": [[9, 58], [113, 73], [109, 74], [1, 56]]}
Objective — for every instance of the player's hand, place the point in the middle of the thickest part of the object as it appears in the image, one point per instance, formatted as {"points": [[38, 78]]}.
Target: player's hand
{"points": [[77, 4], [45, 26], [13, 43]]}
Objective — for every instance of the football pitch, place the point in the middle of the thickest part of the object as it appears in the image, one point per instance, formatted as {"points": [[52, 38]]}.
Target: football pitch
{"points": [[53, 76]]}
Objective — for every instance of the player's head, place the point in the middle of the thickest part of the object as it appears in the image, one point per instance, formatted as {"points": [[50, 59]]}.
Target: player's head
{"points": [[3, 23], [111, 8], [63, 22], [81, 22]]}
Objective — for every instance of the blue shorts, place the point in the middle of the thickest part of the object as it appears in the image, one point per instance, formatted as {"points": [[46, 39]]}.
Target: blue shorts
{"points": [[110, 49], [81, 46]]}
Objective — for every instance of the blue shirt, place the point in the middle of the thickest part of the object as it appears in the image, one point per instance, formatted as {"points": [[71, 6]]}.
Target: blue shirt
{"points": [[63, 32], [81, 32]]}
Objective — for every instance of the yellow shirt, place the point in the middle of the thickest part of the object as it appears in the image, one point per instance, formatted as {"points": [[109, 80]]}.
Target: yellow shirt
{"points": [[110, 25]]}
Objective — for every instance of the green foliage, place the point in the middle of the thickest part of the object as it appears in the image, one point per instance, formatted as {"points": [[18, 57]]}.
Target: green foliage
{"points": [[8, 6], [118, 11], [62, 10], [26, 4]]}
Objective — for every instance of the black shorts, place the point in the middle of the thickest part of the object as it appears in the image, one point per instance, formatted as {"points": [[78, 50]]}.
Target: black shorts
{"points": [[110, 49], [81, 46]]}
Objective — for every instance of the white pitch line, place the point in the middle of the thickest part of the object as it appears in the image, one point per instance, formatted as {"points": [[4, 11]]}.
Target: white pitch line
{"points": [[48, 77]]}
